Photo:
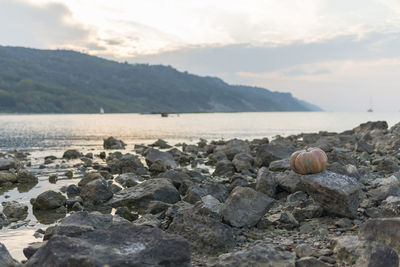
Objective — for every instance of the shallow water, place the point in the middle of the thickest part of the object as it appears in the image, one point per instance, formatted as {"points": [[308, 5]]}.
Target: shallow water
{"points": [[44, 135]]}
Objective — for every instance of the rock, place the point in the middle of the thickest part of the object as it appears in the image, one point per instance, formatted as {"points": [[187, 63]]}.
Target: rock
{"points": [[112, 143], [289, 181], [119, 163], [89, 177], [121, 245], [128, 179], [288, 220], [337, 194], [125, 213], [148, 220], [73, 190], [96, 192], [263, 254], [279, 165], [7, 177], [245, 207], [266, 182], [266, 154], [348, 248], [138, 196], [53, 178], [32, 248], [298, 196], [15, 210], [304, 250], [371, 125], [71, 201], [311, 262], [72, 154], [224, 168], [243, 162], [384, 230], [205, 234], [25, 177], [49, 200], [5, 258], [233, 147], [362, 146], [161, 144], [210, 206], [164, 159], [390, 207], [194, 193], [378, 256]]}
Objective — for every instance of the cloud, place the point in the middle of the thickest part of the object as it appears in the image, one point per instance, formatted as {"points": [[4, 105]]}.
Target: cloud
{"points": [[48, 25]]}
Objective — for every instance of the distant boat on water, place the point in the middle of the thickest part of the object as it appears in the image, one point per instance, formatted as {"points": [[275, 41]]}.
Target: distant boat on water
{"points": [[101, 110], [370, 105]]}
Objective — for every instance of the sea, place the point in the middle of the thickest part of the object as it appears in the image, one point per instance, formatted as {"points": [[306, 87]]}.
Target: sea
{"points": [[52, 134]]}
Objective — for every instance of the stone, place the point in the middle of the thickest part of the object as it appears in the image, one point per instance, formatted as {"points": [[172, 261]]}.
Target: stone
{"points": [[378, 256], [348, 248], [390, 207], [53, 178], [289, 181], [49, 200], [32, 248], [224, 168], [113, 143], [25, 177], [121, 245], [194, 193], [73, 190], [128, 179], [138, 196], [279, 165], [266, 182], [384, 230], [304, 250], [5, 258], [15, 210], [119, 163], [7, 177], [72, 154], [298, 196], [371, 125], [125, 213], [150, 220], [243, 162], [268, 153], [362, 146], [205, 234], [311, 262], [338, 194], [69, 174], [96, 192], [260, 255], [210, 206], [159, 157], [245, 207], [89, 177], [233, 147], [161, 144], [71, 201]]}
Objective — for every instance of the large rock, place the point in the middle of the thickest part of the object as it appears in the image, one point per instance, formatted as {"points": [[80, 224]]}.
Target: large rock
{"points": [[233, 147], [119, 163], [49, 200], [7, 177], [243, 162], [378, 256], [119, 245], [25, 177], [266, 182], [5, 258], [72, 154], [268, 153], [112, 143], [15, 210], [206, 234], [280, 165], [128, 179], [260, 255], [245, 207], [8, 163], [154, 156], [137, 197], [384, 230], [371, 125], [289, 181], [338, 194], [96, 192]]}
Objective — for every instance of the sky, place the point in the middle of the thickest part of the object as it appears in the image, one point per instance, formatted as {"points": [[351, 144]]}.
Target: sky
{"points": [[340, 55]]}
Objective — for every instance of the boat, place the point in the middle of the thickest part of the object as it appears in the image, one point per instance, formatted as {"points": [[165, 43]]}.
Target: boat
{"points": [[101, 110], [370, 105]]}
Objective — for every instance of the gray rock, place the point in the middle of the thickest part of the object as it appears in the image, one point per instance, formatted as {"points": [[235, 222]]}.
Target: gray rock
{"points": [[243, 162], [311, 262], [25, 177], [128, 179], [233, 147], [337, 194], [159, 157], [96, 192], [8, 163], [125, 213], [280, 165], [224, 168], [378, 256], [205, 234], [304, 250], [49, 200], [268, 153], [32, 248], [245, 207], [210, 206], [71, 201], [121, 245], [298, 196], [261, 255], [390, 207], [266, 182], [148, 220], [73, 190], [362, 146], [161, 144], [139, 196], [371, 125], [194, 193], [15, 210], [119, 163], [5, 258], [348, 248], [7, 177], [88, 177], [72, 154], [112, 143], [289, 181]]}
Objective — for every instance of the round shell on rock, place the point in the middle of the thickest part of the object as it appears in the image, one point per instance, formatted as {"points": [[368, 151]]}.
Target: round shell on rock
{"points": [[309, 161]]}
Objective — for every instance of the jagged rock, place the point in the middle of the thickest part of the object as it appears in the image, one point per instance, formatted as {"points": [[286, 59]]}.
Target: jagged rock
{"points": [[49, 200], [259, 255], [148, 220], [128, 179], [371, 125], [8, 163], [304, 250], [289, 181], [32, 248], [5, 258], [233, 147], [125, 213], [245, 207], [72, 154], [161, 144], [311, 262], [378, 256], [337, 194], [390, 207], [224, 168], [112, 143], [243, 162], [119, 163], [280, 165], [268, 153], [121, 245], [165, 159], [96, 192], [266, 182], [25, 177], [384, 230], [15, 210], [7, 177]]}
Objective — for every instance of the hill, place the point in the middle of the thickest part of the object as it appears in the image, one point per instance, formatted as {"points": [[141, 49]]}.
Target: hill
{"points": [[62, 81]]}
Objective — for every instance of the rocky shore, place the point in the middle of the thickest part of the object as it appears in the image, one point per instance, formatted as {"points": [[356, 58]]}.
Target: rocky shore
{"points": [[215, 203]]}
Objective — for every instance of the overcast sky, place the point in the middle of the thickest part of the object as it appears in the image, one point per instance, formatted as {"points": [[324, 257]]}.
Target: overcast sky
{"points": [[336, 54]]}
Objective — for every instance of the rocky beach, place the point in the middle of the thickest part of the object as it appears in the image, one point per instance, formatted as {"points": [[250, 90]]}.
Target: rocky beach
{"points": [[211, 203]]}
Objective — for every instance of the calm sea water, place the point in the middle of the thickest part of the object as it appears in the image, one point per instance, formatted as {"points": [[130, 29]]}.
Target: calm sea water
{"points": [[44, 135], [43, 132]]}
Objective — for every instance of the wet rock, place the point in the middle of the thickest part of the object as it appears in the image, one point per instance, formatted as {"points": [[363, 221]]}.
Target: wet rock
{"points": [[128, 179], [49, 200], [15, 210], [164, 159], [233, 147], [125, 213], [378, 256], [384, 230], [279, 165], [8, 163], [32, 248], [371, 125], [243, 162], [71, 201], [268, 153], [119, 163], [96, 192], [25, 177], [72, 154], [259, 255], [7, 177], [121, 245], [266, 182], [5, 258], [89, 177], [205, 234], [53, 178], [311, 262], [69, 174], [73, 190], [139, 196], [112, 143], [337, 194], [161, 144], [245, 207], [194, 194], [224, 168]]}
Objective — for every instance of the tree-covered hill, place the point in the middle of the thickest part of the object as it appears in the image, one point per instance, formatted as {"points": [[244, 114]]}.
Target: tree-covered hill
{"points": [[61, 81]]}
